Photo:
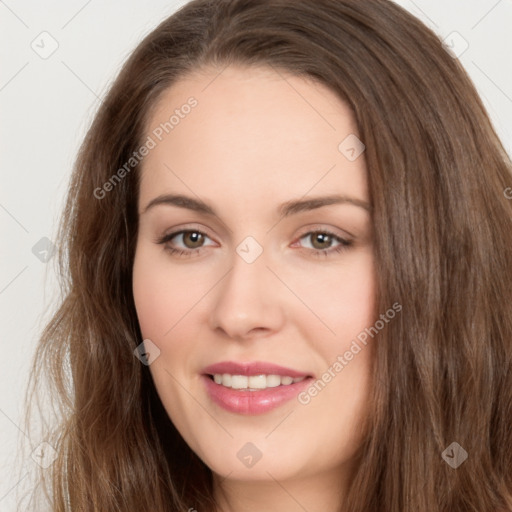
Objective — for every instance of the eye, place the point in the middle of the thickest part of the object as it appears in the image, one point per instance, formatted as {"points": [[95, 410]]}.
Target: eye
{"points": [[321, 243], [192, 241]]}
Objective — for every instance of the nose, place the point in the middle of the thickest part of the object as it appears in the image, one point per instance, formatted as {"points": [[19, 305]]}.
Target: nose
{"points": [[248, 301]]}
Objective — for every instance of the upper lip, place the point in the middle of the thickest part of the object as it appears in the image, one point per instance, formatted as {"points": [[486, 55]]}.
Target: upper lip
{"points": [[252, 368]]}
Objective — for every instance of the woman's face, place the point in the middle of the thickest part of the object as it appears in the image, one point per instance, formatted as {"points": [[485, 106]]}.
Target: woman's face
{"points": [[266, 280]]}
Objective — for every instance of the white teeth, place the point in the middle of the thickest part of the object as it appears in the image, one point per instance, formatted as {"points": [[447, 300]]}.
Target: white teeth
{"points": [[226, 380], [239, 381], [257, 381], [254, 382], [273, 381]]}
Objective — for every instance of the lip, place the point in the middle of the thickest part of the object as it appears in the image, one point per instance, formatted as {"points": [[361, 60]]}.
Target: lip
{"points": [[252, 402], [252, 368]]}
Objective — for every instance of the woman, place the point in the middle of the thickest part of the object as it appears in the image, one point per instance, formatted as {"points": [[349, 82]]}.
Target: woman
{"points": [[287, 271]]}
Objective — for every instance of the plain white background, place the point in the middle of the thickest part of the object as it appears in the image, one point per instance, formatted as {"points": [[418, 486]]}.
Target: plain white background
{"points": [[48, 103]]}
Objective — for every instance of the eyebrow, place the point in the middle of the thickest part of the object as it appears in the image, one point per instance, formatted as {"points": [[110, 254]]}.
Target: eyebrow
{"points": [[284, 210]]}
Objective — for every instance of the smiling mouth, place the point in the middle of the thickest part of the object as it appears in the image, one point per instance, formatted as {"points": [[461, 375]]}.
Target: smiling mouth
{"points": [[254, 382], [252, 388]]}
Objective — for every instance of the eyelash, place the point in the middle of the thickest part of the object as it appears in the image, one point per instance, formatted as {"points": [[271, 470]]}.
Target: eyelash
{"points": [[343, 244]]}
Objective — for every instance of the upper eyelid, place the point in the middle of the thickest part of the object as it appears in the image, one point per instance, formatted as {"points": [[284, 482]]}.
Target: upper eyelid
{"points": [[317, 228]]}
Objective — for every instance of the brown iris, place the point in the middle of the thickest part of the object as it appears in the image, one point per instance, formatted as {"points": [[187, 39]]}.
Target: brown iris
{"points": [[322, 238], [196, 239]]}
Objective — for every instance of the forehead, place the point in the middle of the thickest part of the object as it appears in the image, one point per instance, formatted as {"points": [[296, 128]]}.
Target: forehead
{"points": [[253, 133]]}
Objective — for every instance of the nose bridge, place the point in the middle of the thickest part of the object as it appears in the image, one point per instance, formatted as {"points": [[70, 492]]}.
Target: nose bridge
{"points": [[246, 298]]}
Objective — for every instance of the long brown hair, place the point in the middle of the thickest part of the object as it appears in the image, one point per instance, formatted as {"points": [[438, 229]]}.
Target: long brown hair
{"points": [[443, 249]]}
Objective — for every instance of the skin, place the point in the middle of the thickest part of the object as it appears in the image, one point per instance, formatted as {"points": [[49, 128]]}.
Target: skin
{"points": [[256, 139]]}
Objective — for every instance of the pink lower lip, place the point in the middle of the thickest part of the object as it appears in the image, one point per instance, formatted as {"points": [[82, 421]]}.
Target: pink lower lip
{"points": [[252, 402]]}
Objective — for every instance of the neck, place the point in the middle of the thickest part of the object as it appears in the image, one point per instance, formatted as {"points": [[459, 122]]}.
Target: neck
{"points": [[317, 493]]}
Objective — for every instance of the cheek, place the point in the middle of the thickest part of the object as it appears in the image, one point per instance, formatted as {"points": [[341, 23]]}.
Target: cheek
{"points": [[354, 298], [341, 297], [163, 294], [151, 298]]}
